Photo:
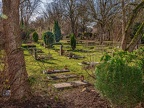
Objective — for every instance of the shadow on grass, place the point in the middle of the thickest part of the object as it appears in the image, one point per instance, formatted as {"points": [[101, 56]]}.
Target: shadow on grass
{"points": [[26, 54], [81, 50], [45, 61]]}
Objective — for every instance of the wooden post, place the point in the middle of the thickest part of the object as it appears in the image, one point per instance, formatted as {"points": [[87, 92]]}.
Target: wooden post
{"points": [[35, 53], [61, 50], [44, 45]]}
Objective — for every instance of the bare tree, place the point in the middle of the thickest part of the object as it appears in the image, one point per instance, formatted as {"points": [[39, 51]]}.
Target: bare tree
{"points": [[84, 18], [0, 7], [124, 37], [53, 12], [64, 11], [27, 9], [137, 36], [130, 11], [103, 13], [71, 13]]}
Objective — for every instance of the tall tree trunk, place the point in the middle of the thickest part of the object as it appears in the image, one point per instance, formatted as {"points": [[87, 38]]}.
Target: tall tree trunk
{"points": [[124, 36], [1, 57], [16, 69], [136, 39]]}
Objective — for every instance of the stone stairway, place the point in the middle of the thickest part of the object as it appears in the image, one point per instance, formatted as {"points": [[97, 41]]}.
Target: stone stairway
{"points": [[55, 75]]}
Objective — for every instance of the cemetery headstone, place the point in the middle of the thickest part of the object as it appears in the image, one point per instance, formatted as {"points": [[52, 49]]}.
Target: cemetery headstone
{"points": [[61, 50]]}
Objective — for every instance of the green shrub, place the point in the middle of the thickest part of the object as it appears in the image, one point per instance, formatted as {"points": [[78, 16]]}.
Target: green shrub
{"points": [[25, 34], [73, 42], [48, 38], [57, 31], [140, 57], [119, 79], [35, 37]]}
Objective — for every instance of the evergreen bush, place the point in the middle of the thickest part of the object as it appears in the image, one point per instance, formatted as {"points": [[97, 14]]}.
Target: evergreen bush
{"points": [[35, 37], [48, 38], [73, 42], [140, 56], [57, 31], [119, 79], [25, 34]]}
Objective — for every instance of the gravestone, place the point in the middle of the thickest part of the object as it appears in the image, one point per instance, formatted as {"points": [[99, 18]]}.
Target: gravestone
{"points": [[55, 71], [63, 76], [70, 84], [62, 85], [61, 50], [35, 53]]}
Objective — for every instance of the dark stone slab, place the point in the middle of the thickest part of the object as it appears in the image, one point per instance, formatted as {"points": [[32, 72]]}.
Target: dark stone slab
{"points": [[64, 76], [55, 71], [29, 46]]}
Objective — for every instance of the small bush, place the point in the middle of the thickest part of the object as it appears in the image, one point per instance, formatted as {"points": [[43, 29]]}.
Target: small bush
{"points": [[48, 38], [120, 80], [35, 37], [25, 34], [140, 57], [73, 42], [57, 31]]}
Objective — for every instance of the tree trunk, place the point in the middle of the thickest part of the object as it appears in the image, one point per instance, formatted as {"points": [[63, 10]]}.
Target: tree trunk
{"points": [[130, 22], [136, 39], [72, 26], [124, 36], [16, 69]]}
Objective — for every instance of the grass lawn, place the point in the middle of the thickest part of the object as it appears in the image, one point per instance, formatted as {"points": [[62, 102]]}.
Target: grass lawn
{"points": [[35, 67], [42, 86]]}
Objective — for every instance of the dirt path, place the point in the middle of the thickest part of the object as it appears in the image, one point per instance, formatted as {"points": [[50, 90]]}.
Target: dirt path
{"points": [[83, 98], [69, 98]]}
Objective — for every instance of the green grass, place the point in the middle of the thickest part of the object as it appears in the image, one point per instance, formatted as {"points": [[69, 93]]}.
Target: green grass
{"points": [[35, 68]]}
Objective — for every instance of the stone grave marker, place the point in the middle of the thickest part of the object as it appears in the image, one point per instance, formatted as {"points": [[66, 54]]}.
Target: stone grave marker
{"points": [[70, 84], [61, 50], [55, 71], [63, 76]]}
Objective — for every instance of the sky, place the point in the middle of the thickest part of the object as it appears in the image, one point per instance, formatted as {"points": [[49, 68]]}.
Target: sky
{"points": [[41, 0], [42, 5], [35, 15], [48, 1], [45, 1]]}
